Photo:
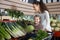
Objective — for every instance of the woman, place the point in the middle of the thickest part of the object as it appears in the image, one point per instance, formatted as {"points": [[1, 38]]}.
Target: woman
{"points": [[41, 10]]}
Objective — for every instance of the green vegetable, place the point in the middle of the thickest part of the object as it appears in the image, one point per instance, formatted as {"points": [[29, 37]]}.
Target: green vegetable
{"points": [[4, 33], [29, 28], [23, 23], [20, 27], [14, 13], [22, 32], [1, 36], [13, 30], [41, 35]]}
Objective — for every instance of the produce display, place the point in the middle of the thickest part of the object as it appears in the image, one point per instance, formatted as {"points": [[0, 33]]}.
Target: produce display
{"points": [[3, 33], [27, 25], [41, 35], [55, 24], [18, 28], [13, 29], [14, 13]]}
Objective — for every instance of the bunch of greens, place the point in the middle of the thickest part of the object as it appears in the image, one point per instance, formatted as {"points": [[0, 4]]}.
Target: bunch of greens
{"points": [[14, 13], [3, 33], [24, 23], [41, 35]]}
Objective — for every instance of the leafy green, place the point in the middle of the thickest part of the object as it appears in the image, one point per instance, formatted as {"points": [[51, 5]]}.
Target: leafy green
{"points": [[14, 13], [4, 33], [41, 35], [1, 37]]}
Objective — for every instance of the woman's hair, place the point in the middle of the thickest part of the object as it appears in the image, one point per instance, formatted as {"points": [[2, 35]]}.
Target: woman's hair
{"points": [[41, 4]]}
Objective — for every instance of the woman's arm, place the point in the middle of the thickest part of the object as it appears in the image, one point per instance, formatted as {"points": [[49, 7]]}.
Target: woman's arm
{"points": [[48, 27]]}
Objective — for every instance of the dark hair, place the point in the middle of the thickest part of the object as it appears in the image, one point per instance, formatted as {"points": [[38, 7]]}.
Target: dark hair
{"points": [[37, 16], [42, 5]]}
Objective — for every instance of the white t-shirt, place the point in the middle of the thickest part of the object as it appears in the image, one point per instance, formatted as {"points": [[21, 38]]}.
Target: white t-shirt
{"points": [[45, 20]]}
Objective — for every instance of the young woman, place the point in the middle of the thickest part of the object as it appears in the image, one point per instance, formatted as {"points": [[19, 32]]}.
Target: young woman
{"points": [[41, 10]]}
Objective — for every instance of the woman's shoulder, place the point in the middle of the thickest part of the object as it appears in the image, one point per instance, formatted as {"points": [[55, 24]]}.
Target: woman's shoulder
{"points": [[46, 11]]}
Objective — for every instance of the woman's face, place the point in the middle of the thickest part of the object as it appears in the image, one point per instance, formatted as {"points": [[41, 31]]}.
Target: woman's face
{"points": [[36, 20], [36, 7]]}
